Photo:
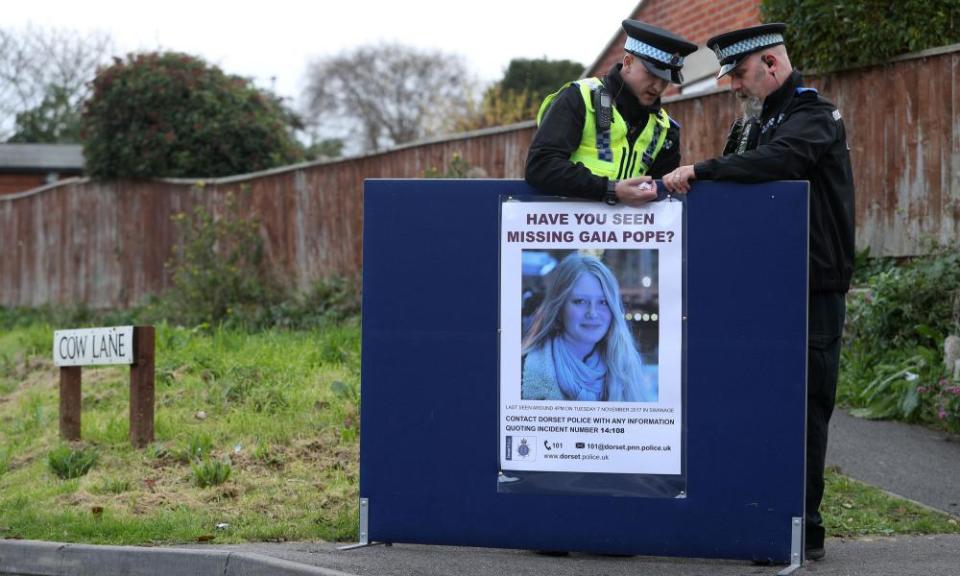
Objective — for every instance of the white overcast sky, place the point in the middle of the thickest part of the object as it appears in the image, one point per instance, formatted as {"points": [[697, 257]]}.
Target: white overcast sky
{"points": [[272, 41]]}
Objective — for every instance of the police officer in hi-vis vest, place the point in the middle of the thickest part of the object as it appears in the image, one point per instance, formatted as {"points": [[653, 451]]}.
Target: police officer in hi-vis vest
{"points": [[606, 139]]}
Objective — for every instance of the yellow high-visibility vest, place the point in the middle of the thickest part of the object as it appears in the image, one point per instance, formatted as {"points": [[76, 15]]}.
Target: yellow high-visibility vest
{"points": [[609, 153]]}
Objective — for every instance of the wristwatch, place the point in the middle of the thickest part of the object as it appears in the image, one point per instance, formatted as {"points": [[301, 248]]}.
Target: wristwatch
{"points": [[611, 196]]}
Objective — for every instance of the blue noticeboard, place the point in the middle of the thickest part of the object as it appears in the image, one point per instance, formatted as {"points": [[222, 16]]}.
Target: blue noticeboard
{"points": [[429, 390]]}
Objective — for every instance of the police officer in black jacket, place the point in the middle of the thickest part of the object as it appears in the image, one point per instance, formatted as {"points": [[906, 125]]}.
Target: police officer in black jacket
{"points": [[798, 136], [607, 138]]}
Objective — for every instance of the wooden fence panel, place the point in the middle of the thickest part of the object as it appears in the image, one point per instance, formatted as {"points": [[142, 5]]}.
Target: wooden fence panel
{"points": [[106, 244]]}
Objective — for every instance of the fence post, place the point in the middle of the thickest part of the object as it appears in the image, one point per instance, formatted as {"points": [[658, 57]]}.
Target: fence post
{"points": [[70, 403], [142, 386]]}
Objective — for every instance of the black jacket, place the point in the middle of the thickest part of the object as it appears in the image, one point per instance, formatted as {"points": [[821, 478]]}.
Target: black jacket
{"points": [[802, 137], [548, 163]]}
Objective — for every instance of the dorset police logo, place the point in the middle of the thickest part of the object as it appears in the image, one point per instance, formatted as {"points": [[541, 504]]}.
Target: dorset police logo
{"points": [[523, 450]]}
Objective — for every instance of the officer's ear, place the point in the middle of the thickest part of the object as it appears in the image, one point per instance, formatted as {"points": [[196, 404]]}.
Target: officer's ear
{"points": [[627, 61]]}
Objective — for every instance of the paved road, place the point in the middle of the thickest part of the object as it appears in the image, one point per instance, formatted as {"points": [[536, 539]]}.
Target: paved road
{"points": [[902, 556]]}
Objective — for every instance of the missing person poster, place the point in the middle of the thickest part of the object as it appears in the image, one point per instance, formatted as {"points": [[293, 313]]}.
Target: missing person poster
{"points": [[591, 334]]}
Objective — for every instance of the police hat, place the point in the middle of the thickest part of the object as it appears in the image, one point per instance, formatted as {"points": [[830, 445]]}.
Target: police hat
{"points": [[733, 47], [660, 51]]}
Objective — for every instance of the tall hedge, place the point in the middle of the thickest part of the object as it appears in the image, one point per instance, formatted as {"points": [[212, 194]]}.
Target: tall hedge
{"points": [[173, 115], [831, 34]]}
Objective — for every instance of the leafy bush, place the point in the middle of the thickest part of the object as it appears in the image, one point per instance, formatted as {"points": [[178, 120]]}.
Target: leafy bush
{"points": [[908, 305], [219, 272], [830, 34], [943, 402], [166, 114], [517, 96], [893, 356], [865, 267], [67, 462], [893, 393], [329, 300], [211, 472]]}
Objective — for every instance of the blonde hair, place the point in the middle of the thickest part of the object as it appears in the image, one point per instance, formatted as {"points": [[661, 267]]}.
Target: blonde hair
{"points": [[625, 380]]}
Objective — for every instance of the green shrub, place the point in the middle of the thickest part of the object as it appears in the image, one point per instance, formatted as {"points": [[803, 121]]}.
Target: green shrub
{"points": [[893, 391], [61, 317], [892, 364], [328, 301], [830, 34], [220, 279], [865, 267], [68, 462], [211, 472], [910, 304], [942, 402], [219, 271], [166, 114]]}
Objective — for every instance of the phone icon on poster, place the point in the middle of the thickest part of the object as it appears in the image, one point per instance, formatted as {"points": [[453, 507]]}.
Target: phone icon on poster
{"points": [[546, 445]]}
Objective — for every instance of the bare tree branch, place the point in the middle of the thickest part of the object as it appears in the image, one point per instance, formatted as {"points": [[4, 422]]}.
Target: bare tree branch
{"points": [[37, 62], [381, 95]]}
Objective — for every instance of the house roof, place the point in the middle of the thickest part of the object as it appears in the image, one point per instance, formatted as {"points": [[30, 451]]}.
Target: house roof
{"points": [[41, 157]]}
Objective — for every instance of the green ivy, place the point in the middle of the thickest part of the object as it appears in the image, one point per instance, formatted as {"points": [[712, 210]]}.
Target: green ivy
{"points": [[831, 34]]}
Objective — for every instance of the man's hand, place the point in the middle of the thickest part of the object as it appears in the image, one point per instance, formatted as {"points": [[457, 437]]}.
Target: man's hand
{"points": [[636, 191], [679, 181]]}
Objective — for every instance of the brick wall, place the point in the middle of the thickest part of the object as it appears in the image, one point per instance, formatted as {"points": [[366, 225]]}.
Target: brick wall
{"points": [[695, 20], [13, 183]]}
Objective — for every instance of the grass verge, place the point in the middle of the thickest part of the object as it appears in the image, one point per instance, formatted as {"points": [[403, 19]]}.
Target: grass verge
{"points": [[851, 508], [280, 407]]}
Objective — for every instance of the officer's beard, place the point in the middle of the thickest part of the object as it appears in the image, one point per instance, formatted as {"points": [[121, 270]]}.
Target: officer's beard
{"points": [[751, 106]]}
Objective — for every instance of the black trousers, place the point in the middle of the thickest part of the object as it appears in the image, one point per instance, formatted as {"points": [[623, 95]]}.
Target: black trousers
{"points": [[827, 312]]}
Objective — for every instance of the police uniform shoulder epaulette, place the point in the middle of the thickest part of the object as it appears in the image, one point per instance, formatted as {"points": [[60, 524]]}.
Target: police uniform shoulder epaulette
{"points": [[804, 89]]}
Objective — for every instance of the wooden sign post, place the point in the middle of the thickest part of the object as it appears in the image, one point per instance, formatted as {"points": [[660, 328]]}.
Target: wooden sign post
{"points": [[133, 345]]}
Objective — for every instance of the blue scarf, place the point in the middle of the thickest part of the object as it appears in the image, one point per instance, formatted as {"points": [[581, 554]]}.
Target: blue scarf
{"points": [[579, 379]]}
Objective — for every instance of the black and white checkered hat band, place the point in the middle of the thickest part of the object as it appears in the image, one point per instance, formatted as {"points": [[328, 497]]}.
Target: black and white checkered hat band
{"points": [[643, 49], [749, 45]]}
